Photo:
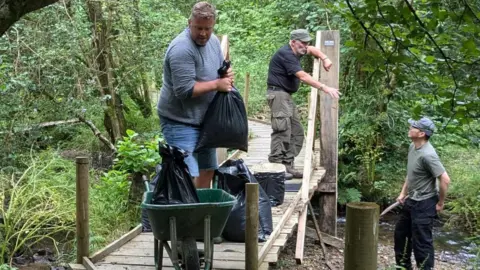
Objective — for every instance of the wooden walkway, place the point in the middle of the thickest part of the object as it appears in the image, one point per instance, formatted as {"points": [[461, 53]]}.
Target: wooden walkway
{"points": [[134, 251]]}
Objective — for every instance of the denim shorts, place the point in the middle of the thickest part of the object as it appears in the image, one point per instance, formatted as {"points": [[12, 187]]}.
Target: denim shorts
{"points": [[186, 138]]}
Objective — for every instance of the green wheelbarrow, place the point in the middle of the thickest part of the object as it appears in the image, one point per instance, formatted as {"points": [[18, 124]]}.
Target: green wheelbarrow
{"points": [[188, 223]]}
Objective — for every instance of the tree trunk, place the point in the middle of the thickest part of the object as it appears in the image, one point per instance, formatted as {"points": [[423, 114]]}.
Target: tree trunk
{"points": [[136, 189], [145, 103], [12, 10], [114, 119]]}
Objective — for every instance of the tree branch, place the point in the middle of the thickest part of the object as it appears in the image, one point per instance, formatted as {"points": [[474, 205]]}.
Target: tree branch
{"points": [[12, 10], [471, 10], [364, 27], [98, 134], [438, 48]]}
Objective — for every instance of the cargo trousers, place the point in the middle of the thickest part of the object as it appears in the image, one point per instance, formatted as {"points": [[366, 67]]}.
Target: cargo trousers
{"points": [[287, 132], [413, 231]]}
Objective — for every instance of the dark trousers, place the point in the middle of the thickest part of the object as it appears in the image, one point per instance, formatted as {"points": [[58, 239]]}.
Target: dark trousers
{"points": [[414, 232], [287, 136]]}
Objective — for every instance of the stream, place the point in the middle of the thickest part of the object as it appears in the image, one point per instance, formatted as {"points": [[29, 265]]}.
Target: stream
{"points": [[451, 245]]}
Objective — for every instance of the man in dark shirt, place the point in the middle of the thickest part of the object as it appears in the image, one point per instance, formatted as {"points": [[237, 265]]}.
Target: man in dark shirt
{"points": [[284, 76]]}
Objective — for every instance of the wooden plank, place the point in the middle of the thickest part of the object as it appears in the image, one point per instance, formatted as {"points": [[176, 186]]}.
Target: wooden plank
{"points": [[327, 187], [77, 266], [149, 261], [129, 267], [307, 170], [328, 239], [88, 264], [272, 256], [278, 228], [146, 252], [330, 44], [116, 244]]}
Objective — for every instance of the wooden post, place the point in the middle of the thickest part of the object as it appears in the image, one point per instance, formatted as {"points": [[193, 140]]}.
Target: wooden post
{"points": [[361, 236], [308, 162], [82, 209], [247, 89], [251, 227], [330, 45]]}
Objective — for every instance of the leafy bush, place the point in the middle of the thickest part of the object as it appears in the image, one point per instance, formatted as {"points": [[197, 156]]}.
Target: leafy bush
{"points": [[133, 156]]}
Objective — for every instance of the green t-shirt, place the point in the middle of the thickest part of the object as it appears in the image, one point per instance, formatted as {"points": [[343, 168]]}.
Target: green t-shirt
{"points": [[423, 169]]}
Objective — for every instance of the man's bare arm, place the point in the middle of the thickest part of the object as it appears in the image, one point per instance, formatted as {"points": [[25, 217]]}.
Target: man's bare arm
{"points": [[327, 64], [444, 182], [306, 78], [403, 193]]}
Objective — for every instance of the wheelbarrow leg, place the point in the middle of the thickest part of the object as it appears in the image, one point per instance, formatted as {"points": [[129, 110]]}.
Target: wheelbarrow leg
{"points": [[158, 251], [208, 244], [173, 239]]}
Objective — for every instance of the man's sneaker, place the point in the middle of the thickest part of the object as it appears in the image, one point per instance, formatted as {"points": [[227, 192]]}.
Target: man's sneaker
{"points": [[293, 172], [288, 176]]}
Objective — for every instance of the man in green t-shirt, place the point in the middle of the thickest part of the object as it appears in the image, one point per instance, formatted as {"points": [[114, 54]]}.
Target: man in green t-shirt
{"points": [[420, 198]]}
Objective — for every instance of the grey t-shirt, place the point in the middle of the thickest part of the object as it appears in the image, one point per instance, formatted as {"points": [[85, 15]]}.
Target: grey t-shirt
{"points": [[423, 169], [184, 64]]}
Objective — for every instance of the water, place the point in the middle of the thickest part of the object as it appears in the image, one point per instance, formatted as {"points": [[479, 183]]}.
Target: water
{"points": [[450, 245]]}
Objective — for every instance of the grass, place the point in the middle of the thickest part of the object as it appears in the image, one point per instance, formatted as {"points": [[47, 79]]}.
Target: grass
{"points": [[42, 207], [463, 199]]}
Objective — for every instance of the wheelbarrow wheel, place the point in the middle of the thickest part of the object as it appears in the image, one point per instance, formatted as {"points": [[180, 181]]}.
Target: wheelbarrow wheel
{"points": [[190, 254]]}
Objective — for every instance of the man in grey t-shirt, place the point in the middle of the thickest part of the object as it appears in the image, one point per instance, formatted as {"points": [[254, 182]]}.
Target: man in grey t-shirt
{"points": [[190, 81], [420, 198]]}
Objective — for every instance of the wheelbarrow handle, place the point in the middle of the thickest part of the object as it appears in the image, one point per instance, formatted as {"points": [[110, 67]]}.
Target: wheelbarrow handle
{"points": [[146, 182]]}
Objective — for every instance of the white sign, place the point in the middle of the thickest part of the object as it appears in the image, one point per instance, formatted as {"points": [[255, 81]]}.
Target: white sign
{"points": [[329, 43]]}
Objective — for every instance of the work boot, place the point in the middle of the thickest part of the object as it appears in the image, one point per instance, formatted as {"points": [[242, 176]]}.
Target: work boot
{"points": [[288, 176], [292, 171]]}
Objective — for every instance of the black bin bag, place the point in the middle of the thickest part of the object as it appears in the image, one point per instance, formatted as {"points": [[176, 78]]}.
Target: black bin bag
{"points": [[173, 183], [232, 177], [225, 124], [274, 185]]}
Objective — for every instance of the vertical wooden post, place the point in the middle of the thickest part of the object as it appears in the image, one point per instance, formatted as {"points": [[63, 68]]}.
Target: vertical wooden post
{"points": [[361, 236], [251, 227], [330, 45], [247, 89], [82, 209]]}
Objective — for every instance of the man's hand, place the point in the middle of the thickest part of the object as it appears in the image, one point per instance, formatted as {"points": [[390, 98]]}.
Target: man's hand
{"points": [[230, 74], [401, 198], [224, 84], [334, 93], [327, 64], [439, 207]]}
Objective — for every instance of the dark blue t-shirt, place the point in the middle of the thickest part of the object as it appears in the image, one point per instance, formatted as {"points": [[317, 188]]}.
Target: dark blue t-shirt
{"points": [[282, 69]]}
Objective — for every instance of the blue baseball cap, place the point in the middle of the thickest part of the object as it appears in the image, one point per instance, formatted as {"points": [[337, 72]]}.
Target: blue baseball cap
{"points": [[424, 124]]}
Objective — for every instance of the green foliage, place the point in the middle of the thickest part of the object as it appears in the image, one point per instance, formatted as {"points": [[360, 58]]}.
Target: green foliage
{"points": [[35, 206], [349, 195], [134, 157], [6, 267], [462, 166]]}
